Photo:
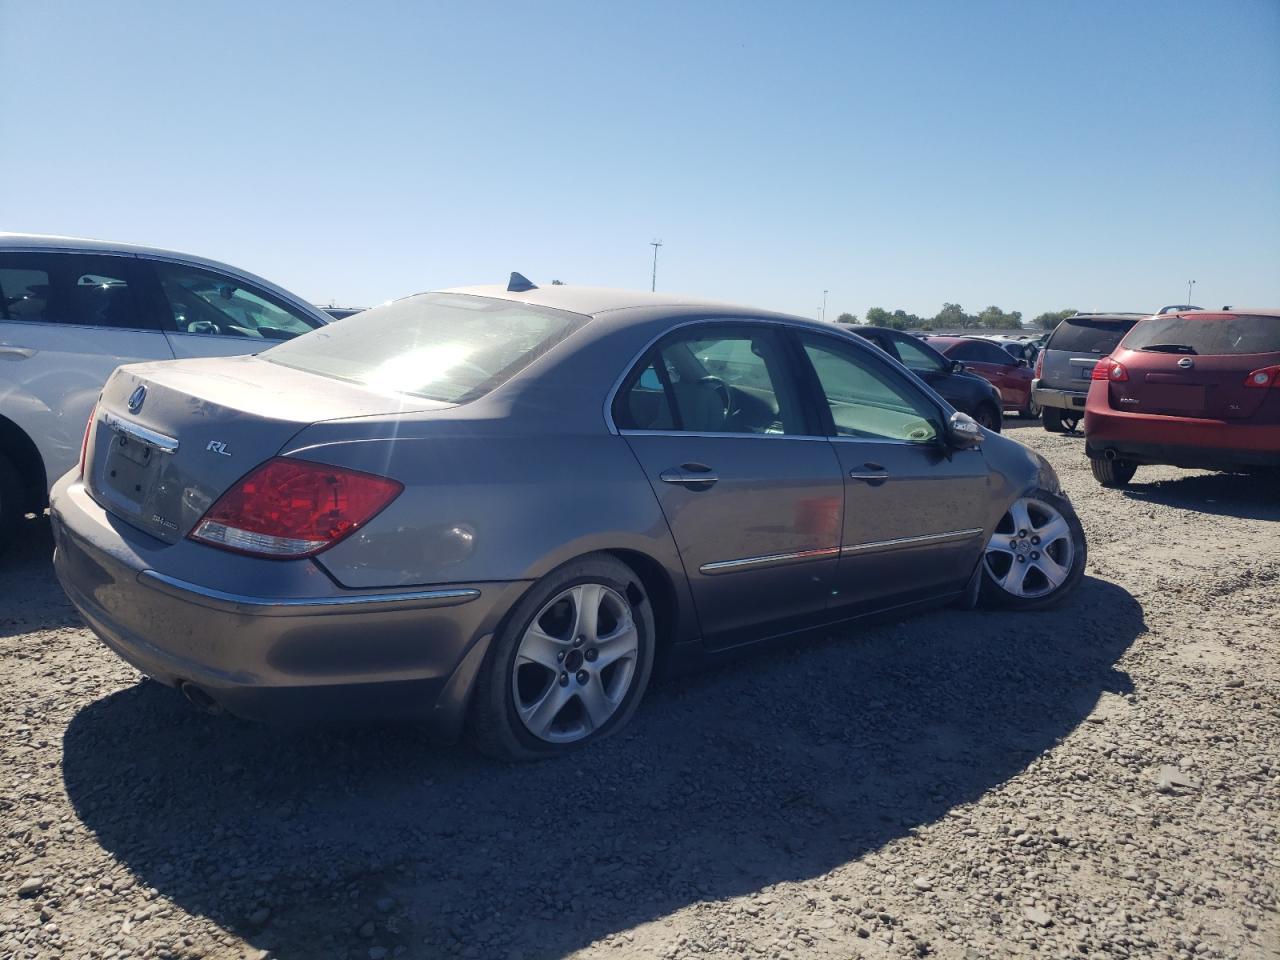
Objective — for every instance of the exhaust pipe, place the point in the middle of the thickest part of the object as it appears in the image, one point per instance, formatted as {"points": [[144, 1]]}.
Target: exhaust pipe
{"points": [[198, 698], [1109, 453]]}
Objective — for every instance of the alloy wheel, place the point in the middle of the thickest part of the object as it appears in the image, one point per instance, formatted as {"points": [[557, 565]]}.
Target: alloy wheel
{"points": [[575, 663], [1069, 422], [1031, 552]]}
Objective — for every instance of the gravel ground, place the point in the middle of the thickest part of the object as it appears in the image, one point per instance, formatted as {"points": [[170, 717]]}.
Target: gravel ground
{"points": [[1098, 781]]}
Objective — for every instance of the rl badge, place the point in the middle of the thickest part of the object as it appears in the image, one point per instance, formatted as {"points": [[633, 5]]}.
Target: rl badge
{"points": [[217, 446]]}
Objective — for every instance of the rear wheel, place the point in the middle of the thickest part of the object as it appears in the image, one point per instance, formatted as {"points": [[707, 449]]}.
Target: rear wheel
{"points": [[988, 416], [1031, 411], [1036, 555], [1113, 473], [12, 500], [1053, 420], [569, 665]]}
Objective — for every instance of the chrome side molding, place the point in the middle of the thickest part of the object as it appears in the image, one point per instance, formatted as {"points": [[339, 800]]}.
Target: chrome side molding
{"points": [[773, 560]]}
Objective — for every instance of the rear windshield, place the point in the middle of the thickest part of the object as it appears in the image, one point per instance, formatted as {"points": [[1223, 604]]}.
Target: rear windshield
{"points": [[1081, 335], [448, 347], [1212, 336]]}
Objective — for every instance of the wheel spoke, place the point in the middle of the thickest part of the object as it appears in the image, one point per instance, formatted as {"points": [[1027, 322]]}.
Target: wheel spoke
{"points": [[1053, 571], [596, 705], [586, 610], [1000, 544], [539, 716], [1012, 580], [619, 645], [1020, 516], [1053, 531], [541, 648]]}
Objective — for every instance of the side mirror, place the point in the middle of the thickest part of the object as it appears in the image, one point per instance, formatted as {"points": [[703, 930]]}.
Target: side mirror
{"points": [[963, 432], [957, 366]]}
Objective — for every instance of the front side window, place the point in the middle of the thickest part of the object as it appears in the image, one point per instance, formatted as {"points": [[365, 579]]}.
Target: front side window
{"points": [[714, 379], [201, 301], [866, 401], [1207, 336], [916, 356], [440, 346]]}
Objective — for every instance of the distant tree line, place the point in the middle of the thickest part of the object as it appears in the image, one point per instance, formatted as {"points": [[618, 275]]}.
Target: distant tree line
{"points": [[953, 317]]}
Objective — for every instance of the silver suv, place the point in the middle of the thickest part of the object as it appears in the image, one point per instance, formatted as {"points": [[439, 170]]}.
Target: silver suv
{"points": [[1066, 363]]}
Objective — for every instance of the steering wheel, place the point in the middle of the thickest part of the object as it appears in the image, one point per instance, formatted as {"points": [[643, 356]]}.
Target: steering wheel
{"points": [[722, 388]]}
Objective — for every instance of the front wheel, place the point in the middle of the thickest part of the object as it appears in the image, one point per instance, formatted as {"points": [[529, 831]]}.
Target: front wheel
{"points": [[569, 665], [1032, 410], [1036, 555], [1113, 473]]}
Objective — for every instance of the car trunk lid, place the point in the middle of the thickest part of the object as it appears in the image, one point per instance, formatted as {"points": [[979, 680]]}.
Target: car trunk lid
{"points": [[169, 438], [1076, 346]]}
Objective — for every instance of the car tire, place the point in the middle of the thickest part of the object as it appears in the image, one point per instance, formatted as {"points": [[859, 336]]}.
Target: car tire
{"points": [[12, 500], [1053, 420], [1113, 473], [1035, 557], [988, 416], [1031, 411], [529, 705]]}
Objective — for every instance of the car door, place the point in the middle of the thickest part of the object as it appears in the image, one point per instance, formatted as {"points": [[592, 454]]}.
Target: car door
{"points": [[914, 509], [716, 418], [207, 313], [67, 320], [1013, 378]]}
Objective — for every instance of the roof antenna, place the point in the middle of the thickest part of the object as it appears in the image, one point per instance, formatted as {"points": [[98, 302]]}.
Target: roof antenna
{"points": [[519, 283]]}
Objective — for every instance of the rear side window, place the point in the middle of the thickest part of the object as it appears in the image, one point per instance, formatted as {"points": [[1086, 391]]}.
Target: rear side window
{"points": [[1081, 335], [82, 289], [447, 347], [1211, 336]]}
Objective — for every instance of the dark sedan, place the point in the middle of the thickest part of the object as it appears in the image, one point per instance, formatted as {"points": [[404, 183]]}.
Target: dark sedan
{"points": [[965, 391], [497, 508]]}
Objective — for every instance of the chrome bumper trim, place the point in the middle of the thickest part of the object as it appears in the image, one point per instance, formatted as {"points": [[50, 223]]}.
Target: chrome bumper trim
{"points": [[140, 433], [301, 606]]}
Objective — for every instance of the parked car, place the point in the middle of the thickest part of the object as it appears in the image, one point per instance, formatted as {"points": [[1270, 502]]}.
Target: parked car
{"points": [[71, 311], [1020, 348], [1011, 376], [965, 391], [1062, 371], [497, 505], [341, 313], [1195, 389]]}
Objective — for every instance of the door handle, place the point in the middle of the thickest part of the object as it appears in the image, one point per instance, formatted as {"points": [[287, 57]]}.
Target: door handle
{"points": [[16, 353], [871, 471], [693, 476]]}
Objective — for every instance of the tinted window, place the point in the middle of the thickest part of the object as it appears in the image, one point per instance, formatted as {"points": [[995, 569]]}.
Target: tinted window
{"points": [[68, 288], [990, 353], [1080, 335], [865, 400], [201, 301], [720, 379], [440, 346], [1213, 336], [916, 356]]}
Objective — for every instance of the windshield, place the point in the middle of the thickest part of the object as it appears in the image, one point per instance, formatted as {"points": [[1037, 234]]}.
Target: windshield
{"points": [[1212, 336], [1081, 335], [447, 347]]}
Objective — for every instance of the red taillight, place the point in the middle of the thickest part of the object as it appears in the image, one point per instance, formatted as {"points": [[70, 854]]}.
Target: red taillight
{"points": [[1108, 369], [84, 444], [293, 508], [1264, 378], [1039, 371]]}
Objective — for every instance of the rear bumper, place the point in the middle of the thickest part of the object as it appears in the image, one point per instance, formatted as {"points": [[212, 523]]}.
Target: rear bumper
{"points": [[332, 653], [1055, 397], [1179, 441]]}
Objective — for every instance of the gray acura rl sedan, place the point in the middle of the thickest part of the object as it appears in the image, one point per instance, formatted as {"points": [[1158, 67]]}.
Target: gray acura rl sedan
{"points": [[498, 507]]}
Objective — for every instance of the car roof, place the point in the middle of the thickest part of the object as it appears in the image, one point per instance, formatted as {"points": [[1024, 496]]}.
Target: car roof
{"points": [[1233, 312], [27, 242], [1106, 316], [594, 301]]}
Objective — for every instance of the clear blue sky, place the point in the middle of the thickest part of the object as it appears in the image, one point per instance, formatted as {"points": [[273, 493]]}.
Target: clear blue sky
{"points": [[1032, 155]]}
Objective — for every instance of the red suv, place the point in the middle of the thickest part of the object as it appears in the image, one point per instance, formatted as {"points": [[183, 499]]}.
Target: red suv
{"points": [[1195, 389]]}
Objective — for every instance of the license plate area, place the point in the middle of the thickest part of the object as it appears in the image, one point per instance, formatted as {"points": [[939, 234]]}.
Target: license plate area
{"points": [[131, 468], [1173, 398]]}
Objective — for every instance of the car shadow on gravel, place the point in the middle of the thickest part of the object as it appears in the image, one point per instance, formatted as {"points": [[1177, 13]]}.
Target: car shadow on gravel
{"points": [[781, 766], [26, 570], [1245, 496]]}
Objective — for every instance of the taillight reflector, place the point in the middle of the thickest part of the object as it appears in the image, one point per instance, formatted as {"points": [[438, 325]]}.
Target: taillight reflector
{"points": [[1039, 370], [289, 508], [1264, 378], [1108, 369]]}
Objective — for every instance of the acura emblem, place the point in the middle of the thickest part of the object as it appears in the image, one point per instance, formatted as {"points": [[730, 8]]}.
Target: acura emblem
{"points": [[1186, 363], [136, 398]]}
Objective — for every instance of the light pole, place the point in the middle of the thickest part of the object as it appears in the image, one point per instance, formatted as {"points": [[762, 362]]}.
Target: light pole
{"points": [[653, 285], [1190, 284], [824, 306]]}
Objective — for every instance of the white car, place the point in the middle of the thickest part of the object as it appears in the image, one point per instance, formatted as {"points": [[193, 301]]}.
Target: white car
{"points": [[71, 311]]}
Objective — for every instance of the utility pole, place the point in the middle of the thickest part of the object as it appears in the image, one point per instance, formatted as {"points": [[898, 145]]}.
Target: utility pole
{"points": [[653, 285], [823, 317], [1190, 284]]}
